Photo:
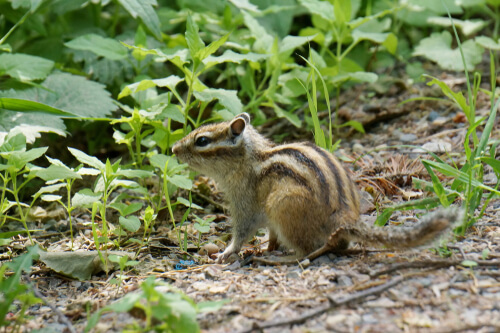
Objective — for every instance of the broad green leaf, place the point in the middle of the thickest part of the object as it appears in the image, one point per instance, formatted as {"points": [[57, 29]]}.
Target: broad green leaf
{"points": [[145, 11], [487, 42], [468, 263], [25, 67], [88, 172], [194, 42], [54, 172], [181, 181], [85, 198], [131, 223], [356, 77], [14, 141], [231, 56], [86, 159], [125, 209], [173, 112], [227, 98], [290, 43], [105, 47], [437, 48], [159, 161], [320, 8], [170, 82]]}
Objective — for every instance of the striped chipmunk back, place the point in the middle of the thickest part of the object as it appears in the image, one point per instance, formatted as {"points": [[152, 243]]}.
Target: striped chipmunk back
{"points": [[299, 191]]}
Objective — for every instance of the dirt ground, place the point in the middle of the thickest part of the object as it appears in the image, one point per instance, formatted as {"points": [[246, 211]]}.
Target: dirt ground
{"points": [[455, 290]]}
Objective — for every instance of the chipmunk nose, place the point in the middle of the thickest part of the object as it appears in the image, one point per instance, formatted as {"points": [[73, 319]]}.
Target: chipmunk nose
{"points": [[175, 149]]}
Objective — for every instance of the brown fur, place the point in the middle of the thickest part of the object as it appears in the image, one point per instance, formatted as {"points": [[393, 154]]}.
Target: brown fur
{"points": [[299, 191]]}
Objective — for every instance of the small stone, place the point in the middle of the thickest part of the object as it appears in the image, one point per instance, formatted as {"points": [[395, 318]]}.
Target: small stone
{"points": [[358, 148], [407, 137], [432, 115], [344, 281], [332, 322], [208, 249], [293, 275], [440, 121]]}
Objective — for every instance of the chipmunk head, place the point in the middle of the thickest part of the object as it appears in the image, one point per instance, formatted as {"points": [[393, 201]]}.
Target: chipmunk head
{"points": [[209, 148]]}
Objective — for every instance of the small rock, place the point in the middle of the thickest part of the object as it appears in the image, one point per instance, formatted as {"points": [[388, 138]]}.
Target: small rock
{"points": [[293, 275], [440, 121], [332, 322], [344, 281], [438, 146], [433, 115], [358, 148], [407, 137], [208, 249]]}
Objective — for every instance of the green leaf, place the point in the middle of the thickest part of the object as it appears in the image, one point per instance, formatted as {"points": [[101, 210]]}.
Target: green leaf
{"points": [[468, 27], [487, 42], [129, 173], [159, 161], [51, 197], [231, 56], [131, 223], [291, 117], [145, 11], [105, 47], [170, 82], [342, 11], [86, 159], [263, 40], [468, 263], [49, 189], [438, 187], [54, 172], [16, 104], [14, 141], [194, 42], [85, 198], [181, 181], [185, 202], [320, 8], [19, 160], [494, 163], [437, 48], [227, 98], [25, 67], [212, 47]]}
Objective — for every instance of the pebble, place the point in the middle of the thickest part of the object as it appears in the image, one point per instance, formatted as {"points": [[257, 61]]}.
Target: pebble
{"points": [[407, 137], [433, 115], [344, 281]]}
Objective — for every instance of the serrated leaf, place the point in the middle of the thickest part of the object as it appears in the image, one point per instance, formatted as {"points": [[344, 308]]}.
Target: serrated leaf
{"points": [[25, 67], [246, 5], [131, 223], [19, 160], [468, 27], [290, 43], [145, 11], [85, 198], [263, 40], [105, 47], [437, 48], [159, 161], [14, 141], [227, 98], [86, 159], [88, 172]]}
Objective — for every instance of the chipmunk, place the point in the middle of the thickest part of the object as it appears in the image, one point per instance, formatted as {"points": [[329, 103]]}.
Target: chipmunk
{"points": [[299, 191]]}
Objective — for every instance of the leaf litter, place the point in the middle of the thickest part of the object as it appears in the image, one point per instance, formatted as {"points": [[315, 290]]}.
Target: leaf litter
{"points": [[366, 291]]}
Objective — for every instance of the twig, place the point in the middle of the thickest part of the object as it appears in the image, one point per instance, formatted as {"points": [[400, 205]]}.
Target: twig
{"points": [[335, 301], [62, 318], [429, 264], [474, 328]]}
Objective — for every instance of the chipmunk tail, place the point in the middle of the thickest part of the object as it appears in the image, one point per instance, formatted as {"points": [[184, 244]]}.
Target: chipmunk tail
{"points": [[431, 228]]}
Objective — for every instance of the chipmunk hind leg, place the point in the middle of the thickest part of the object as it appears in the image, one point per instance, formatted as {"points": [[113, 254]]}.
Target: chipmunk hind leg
{"points": [[297, 220]]}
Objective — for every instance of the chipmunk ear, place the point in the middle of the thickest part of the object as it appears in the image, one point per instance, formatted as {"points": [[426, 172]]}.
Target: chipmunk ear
{"points": [[239, 123]]}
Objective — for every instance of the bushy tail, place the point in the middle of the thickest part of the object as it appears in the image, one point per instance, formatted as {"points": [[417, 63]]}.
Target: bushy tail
{"points": [[430, 228]]}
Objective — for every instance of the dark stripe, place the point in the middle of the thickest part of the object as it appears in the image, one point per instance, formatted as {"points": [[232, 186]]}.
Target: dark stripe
{"points": [[335, 171], [221, 152], [280, 169], [309, 163]]}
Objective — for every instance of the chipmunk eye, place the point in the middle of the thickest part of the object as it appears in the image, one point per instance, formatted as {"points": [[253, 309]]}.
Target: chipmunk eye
{"points": [[202, 141]]}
